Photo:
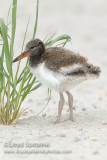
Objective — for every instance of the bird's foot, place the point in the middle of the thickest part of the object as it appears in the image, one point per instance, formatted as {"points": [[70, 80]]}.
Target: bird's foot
{"points": [[71, 118], [57, 120]]}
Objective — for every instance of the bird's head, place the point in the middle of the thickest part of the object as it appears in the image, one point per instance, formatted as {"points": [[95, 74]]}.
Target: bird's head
{"points": [[33, 48]]}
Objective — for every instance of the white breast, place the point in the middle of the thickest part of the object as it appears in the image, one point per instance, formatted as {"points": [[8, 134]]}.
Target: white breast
{"points": [[54, 79], [46, 76]]}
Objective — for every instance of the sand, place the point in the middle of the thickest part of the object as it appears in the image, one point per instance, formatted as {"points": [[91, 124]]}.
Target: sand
{"points": [[86, 137]]}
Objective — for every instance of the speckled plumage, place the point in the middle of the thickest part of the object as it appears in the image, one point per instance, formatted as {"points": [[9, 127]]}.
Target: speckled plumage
{"points": [[57, 57]]}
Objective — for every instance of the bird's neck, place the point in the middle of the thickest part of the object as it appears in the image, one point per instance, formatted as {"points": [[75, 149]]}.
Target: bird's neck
{"points": [[35, 59]]}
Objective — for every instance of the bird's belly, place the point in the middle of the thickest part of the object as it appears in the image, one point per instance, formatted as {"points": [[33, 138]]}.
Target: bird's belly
{"points": [[71, 82], [54, 79], [46, 76]]}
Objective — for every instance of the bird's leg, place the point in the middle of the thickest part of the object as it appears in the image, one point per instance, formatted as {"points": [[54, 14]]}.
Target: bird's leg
{"points": [[70, 102], [60, 107]]}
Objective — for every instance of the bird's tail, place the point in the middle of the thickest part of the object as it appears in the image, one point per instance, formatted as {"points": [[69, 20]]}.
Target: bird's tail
{"points": [[93, 71]]}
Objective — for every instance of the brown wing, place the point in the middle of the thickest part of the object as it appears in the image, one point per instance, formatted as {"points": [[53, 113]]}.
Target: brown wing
{"points": [[56, 57]]}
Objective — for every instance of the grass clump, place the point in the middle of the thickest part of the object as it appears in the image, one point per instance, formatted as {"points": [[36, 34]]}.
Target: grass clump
{"points": [[14, 89]]}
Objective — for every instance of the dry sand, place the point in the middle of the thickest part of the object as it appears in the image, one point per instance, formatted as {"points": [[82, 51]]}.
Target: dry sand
{"points": [[86, 137]]}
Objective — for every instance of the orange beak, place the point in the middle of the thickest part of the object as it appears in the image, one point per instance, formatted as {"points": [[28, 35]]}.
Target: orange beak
{"points": [[23, 55]]}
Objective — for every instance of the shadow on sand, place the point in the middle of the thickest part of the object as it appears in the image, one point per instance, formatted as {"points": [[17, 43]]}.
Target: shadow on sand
{"points": [[80, 119]]}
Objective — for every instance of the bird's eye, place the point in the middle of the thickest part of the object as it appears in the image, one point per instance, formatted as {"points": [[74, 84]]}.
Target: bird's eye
{"points": [[32, 47], [40, 43]]}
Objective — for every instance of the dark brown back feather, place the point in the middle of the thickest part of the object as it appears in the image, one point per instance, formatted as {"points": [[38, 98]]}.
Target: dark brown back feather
{"points": [[93, 69], [56, 57]]}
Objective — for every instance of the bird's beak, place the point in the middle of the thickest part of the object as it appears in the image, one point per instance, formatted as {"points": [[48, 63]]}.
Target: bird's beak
{"points": [[23, 55]]}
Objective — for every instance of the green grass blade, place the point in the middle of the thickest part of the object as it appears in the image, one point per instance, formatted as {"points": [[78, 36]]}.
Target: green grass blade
{"points": [[1, 68], [27, 91], [22, 73], [6, 45], [36, 20], [58, 39], [49, 39], [28, 79], [8, 79], [14, 10], [36, 87], [20, 89]]}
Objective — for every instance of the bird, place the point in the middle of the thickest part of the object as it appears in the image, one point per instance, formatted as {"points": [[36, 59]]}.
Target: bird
{"points": [[59, 69]]}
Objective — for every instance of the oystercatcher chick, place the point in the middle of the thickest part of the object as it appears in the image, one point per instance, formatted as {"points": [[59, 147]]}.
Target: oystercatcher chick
{"points": [[59, 69]]}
